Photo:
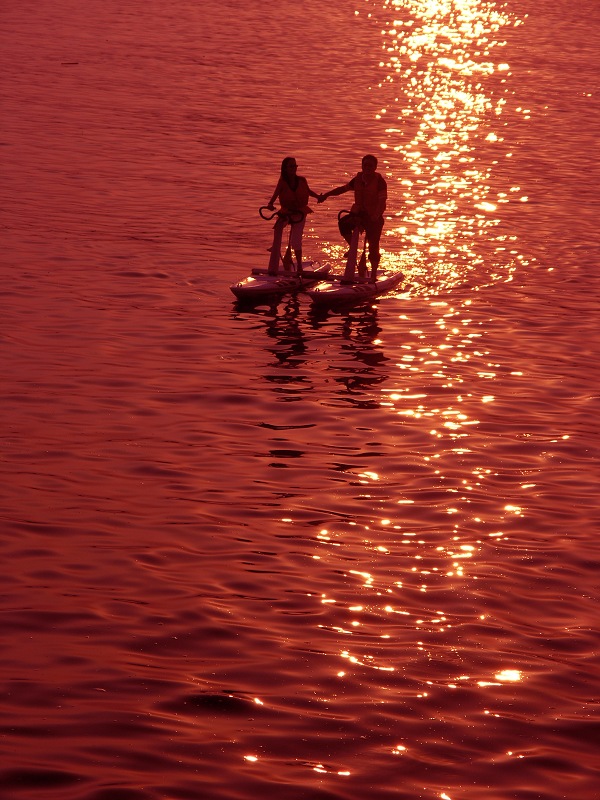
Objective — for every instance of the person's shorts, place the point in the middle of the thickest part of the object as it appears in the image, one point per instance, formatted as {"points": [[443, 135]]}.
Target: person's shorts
{"points": [[348, 222]]}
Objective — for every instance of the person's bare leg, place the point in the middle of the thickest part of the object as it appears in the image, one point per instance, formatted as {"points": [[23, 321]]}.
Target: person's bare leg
{"points": [[352, 257], [276, 247], [299, 261], [373, 237]]}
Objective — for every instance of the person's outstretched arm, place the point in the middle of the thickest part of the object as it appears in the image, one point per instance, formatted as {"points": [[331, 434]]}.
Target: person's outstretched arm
{"points": [[334, 192]]}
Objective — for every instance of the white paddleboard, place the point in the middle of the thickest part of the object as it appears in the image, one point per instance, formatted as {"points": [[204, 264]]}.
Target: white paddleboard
{"points": [[261, 285], [337, 291]]}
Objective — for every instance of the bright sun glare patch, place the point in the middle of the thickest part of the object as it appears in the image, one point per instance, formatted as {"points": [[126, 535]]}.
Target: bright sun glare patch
{"points": [[443, 88], [509, 675]]}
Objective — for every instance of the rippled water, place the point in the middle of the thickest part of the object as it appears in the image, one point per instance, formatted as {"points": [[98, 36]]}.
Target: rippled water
{"points": [[265, 552]]}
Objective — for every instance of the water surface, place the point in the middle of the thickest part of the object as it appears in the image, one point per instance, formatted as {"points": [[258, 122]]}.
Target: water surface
{"points": [[257, 552]]}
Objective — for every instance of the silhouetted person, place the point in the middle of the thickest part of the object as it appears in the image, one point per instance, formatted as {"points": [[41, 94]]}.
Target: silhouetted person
{"points": [[292, 191], [370, 197]]}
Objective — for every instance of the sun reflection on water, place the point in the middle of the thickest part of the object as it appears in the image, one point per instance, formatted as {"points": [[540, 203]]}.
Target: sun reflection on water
{"points": [[388, 615], [401, 590], [443, 94]]}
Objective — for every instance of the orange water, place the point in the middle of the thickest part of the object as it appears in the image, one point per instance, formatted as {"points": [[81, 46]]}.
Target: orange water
{"points": [[265, 552]]}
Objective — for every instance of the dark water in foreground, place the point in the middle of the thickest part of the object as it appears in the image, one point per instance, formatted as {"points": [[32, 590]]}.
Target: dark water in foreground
{"points": [[263, 552]]}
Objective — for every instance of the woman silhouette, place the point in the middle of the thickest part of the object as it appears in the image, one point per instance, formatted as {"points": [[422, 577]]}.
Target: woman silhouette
{"points": [[292, 191]]}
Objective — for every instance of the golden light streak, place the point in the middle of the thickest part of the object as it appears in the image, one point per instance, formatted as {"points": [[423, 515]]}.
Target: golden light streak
{"points": [[509, 675], [443, 94]]}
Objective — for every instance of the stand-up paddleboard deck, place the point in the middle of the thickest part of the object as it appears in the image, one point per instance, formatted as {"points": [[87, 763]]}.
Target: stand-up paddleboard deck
{"points": [[261, 285], [339, 292]]}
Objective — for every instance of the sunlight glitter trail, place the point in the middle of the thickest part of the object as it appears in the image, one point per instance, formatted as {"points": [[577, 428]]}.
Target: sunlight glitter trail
{"points": [[442, 118]]}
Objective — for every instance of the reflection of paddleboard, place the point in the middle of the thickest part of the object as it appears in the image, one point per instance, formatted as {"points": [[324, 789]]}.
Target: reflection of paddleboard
{"points": [[337, 291], [260, 284]]}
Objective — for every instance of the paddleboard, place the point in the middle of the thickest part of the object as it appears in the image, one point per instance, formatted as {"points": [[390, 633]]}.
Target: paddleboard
{"points": [[260, 284], [338, 291]]}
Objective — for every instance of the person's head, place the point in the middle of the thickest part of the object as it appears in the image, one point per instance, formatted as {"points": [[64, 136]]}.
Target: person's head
{"points": [[369, 164], [288, 168]]}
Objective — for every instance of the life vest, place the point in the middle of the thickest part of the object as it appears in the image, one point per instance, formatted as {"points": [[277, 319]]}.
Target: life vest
{"points": [[367, 195], [294, 199]]}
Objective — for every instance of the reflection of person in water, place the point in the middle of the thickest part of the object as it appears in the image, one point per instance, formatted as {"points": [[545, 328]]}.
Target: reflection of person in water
{"points": [[370, 197], [290, 342], [292, 191]]}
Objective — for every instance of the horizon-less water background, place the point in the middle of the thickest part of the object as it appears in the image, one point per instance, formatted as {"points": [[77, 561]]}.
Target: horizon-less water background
{"points": [[264, 552]]}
